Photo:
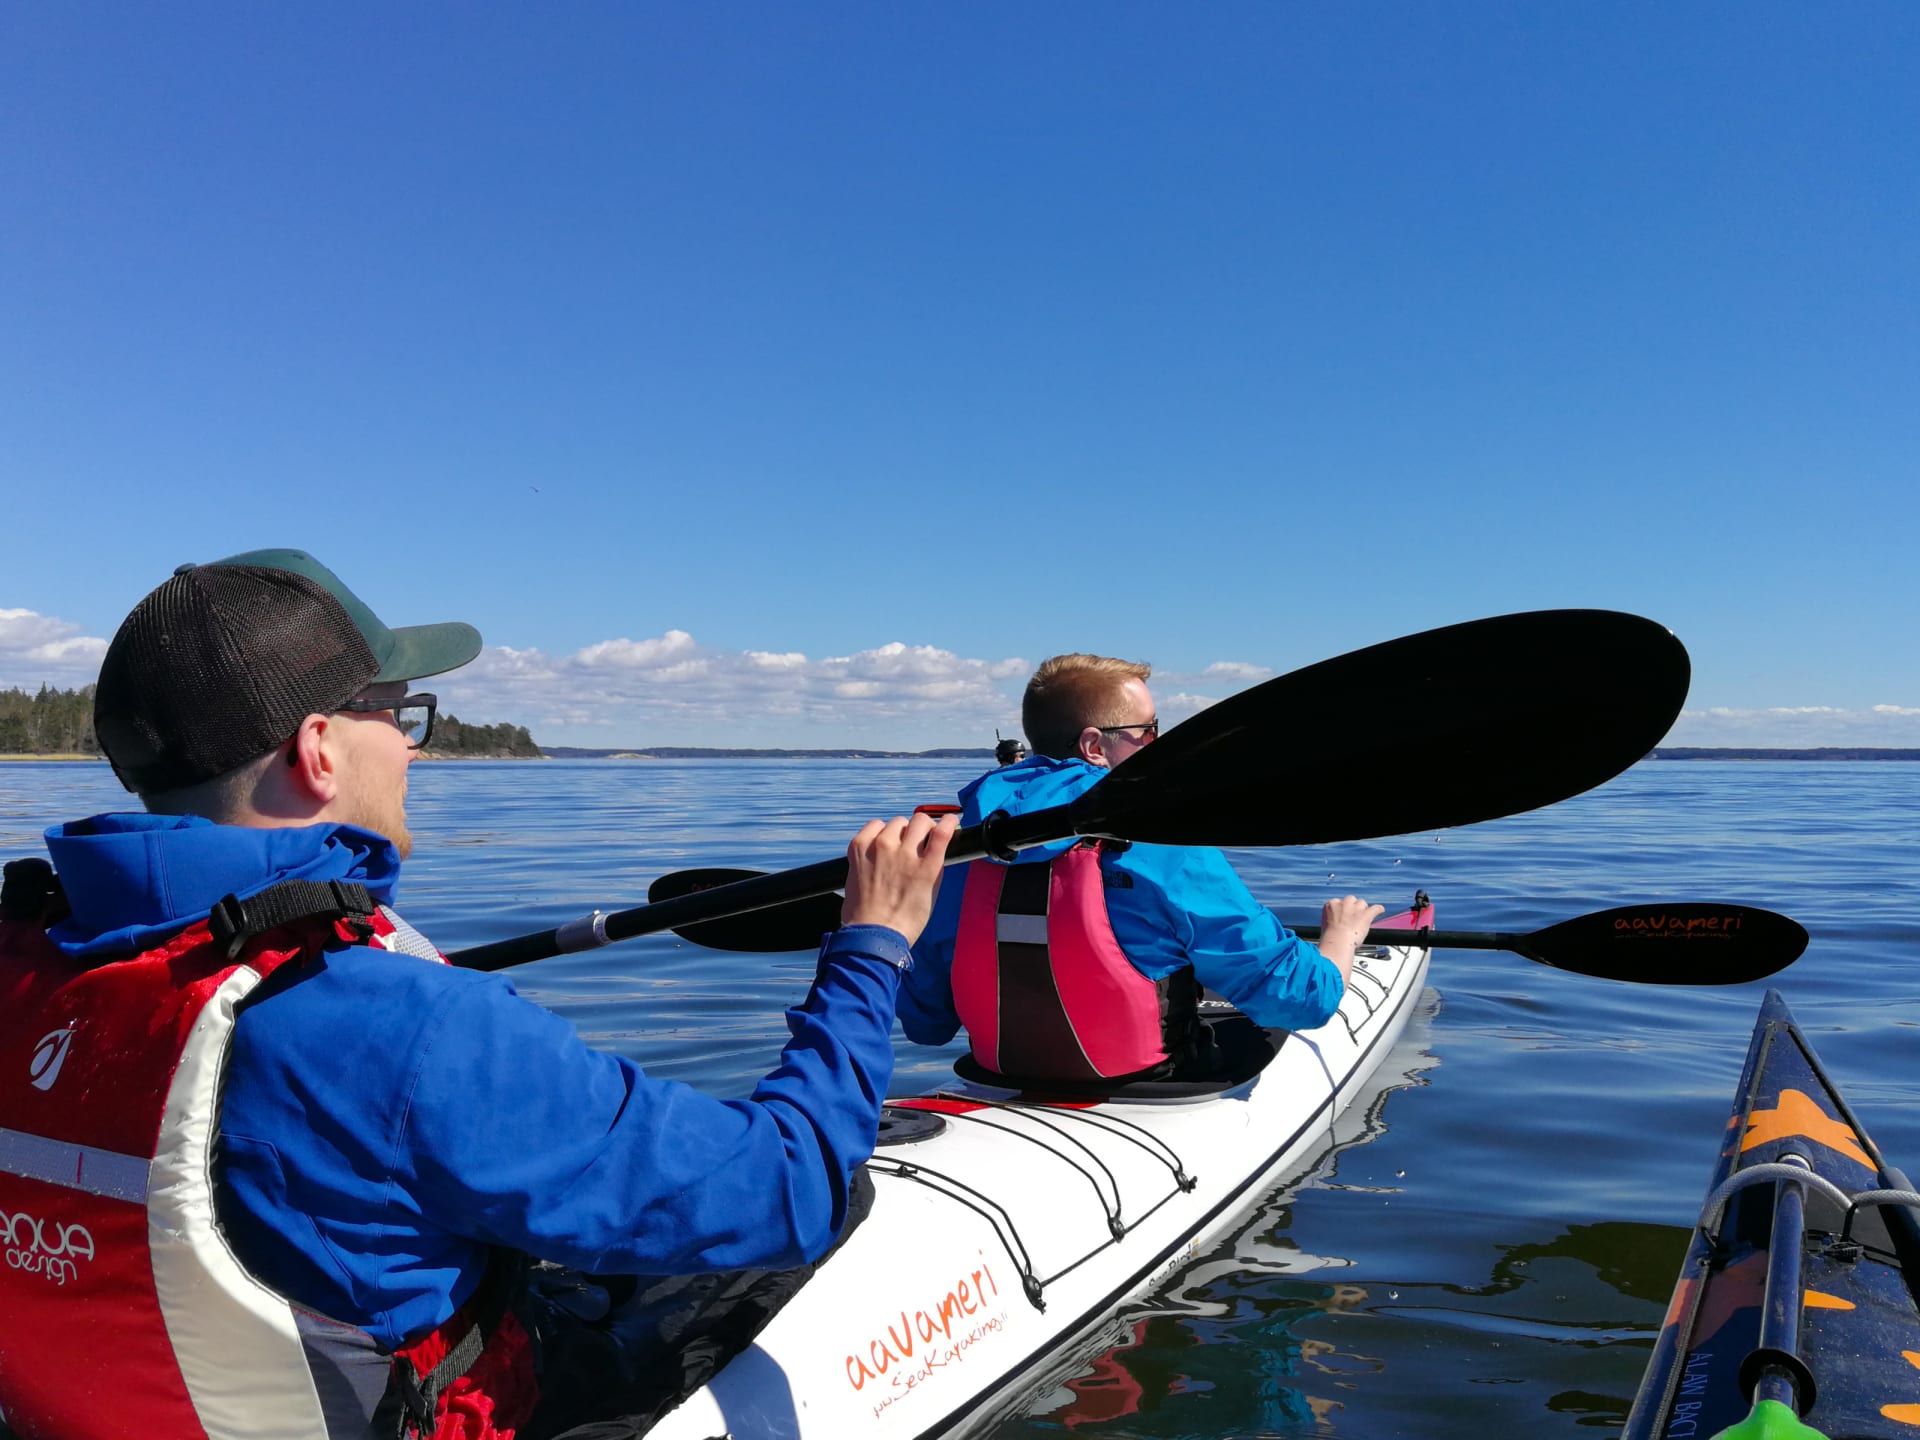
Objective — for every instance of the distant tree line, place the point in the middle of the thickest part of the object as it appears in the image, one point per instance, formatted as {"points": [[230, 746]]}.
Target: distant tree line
{"points": [[450, 737], [51, 722], [60, 722]]}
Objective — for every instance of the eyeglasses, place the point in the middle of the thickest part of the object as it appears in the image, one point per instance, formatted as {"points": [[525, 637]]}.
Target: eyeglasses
{"points": [[1150, 728], [412, 713]]}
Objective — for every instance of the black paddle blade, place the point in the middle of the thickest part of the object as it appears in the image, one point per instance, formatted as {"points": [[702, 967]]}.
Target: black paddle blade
{"points": [[796, 925], [1693, 944], [1448, 727]]}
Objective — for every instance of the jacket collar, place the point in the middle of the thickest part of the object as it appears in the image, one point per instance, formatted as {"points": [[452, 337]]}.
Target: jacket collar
{"points": [[134, 880]]}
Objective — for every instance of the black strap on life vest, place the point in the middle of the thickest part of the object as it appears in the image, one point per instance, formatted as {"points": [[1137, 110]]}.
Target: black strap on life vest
{"points": [[1033, 1017], [419, 1394], [234, 922], [30, 893]]}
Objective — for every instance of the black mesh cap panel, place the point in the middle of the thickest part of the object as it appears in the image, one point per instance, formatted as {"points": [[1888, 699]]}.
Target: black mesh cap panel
{"points": [[220, 665]]}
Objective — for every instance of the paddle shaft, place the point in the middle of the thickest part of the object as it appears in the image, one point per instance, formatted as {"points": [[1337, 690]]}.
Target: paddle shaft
{"points": [[1440, 939], [999, 834]]}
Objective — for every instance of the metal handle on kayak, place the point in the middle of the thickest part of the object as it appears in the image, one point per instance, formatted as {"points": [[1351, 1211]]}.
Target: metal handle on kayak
{"points": [[1714, 1210]]}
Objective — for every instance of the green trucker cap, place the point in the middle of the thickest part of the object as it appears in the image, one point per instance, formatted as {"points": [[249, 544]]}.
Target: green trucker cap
{"points": [[220, 663], [407, 653]]}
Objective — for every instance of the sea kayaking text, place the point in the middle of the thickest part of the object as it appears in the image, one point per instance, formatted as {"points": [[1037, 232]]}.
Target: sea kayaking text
{"points": [[909, 1351]]}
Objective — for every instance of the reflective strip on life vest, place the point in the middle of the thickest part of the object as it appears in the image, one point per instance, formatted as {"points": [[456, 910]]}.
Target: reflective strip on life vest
{"points": [[1020, 929], [77, 1167], [1039, 978], [239, 1349]]}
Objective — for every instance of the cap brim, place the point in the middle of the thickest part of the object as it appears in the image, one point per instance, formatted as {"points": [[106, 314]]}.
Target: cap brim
{"points": [[421, 650]]}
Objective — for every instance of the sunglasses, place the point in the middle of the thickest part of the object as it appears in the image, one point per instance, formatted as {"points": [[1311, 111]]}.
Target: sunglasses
{"points": [[1150, 729]]}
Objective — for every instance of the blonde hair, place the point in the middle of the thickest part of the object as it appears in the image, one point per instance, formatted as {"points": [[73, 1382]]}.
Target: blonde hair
{"points": [[1069, 693]]}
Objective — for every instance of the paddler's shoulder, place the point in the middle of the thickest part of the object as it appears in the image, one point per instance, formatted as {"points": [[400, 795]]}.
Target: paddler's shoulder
{"points": [[369, 977], [383, 1013], [1035, 783]]}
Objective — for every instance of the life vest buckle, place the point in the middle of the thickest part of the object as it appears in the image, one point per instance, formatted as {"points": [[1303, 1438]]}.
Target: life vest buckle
{"points": [[227, 924], [233, 922]]}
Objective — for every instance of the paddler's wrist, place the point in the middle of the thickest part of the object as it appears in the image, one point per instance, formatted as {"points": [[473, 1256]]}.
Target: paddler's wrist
{"points": [[882, 942]]}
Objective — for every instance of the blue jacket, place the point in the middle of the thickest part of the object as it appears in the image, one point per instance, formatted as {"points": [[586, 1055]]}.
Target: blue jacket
{"points": [[385, 1120], [1186, 906]]}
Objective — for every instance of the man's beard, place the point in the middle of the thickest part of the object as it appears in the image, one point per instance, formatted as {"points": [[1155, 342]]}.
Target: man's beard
{"points": [[384, 810]]}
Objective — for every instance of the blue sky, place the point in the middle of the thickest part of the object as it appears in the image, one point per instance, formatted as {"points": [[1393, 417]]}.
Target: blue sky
{"points": [[779, 374]]}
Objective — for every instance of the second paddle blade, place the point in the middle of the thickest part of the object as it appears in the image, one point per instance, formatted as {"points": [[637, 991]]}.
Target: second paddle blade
{"points": [[1448, 727], [1693, 944], [796, 925]]}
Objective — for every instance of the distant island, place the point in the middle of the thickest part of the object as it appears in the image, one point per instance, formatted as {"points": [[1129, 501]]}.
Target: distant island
{"points": [[1823, 752], [457, 741]]}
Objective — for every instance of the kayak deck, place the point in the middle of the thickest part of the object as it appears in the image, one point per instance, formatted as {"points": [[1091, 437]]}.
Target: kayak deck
{"points": [[1853, 1351], [1016, 1224]]}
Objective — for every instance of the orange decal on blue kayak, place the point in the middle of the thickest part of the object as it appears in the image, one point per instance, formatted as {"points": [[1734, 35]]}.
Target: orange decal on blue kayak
{"points": [[1738, 1287], [1682, 1294], [1905, 1414], [1798, 1115], [1820, 1300]]}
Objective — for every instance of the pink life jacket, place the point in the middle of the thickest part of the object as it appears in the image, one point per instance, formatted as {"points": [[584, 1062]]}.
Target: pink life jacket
{"points": [[1043, 987], [122, 1309]]}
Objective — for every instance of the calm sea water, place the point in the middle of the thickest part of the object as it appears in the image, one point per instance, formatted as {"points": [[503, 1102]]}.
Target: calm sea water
{"points": [[1493, 1257]]}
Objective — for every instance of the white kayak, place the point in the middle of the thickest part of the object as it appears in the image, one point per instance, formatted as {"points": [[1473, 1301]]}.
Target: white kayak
{"points": [[1006, 1229]]}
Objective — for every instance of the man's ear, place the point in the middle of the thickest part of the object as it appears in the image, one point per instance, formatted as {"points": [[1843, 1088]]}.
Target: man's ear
{"points": [[1093, 747], [311, 759]]}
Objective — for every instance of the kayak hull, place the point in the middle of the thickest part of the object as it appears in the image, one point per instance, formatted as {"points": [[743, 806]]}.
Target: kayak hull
{"points": [[1858, 1331], [1002, 1243]]}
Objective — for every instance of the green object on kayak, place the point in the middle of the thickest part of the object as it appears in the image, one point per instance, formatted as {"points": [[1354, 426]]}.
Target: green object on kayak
{"points": [[1770, 1420]]}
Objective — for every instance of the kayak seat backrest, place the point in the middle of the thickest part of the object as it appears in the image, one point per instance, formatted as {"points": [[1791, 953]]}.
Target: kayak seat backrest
{"points": [[1233, 1050]]}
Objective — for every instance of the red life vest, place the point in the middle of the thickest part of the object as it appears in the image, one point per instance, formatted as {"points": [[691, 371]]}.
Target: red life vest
{"points": [[1043, 987], [122, 1309]]}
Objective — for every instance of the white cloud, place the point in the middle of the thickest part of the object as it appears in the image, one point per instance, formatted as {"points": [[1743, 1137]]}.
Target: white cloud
{"points": [[38, 649], [1794, 727], [637, 654], [671, 690], [1181, 704]]}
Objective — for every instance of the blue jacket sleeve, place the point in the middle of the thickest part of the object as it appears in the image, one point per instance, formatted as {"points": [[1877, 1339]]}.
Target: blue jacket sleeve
{"points": [[1187, 905], [577, 1156], [927, 1014]]}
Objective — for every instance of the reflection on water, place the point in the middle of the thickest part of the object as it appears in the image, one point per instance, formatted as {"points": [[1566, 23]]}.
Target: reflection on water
{"points": [[1256, 1286], [1493, 1261], [1265, 1335], [1325, 1346]]}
